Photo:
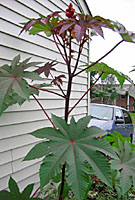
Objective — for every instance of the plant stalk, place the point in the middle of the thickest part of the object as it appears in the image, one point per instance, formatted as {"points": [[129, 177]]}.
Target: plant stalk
{"points": [[44, 110], [99, 58], [45, 90], [84, 94], [66, 119]]}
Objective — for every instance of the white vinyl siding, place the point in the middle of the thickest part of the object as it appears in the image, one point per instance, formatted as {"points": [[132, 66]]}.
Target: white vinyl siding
{"points": [[17, 121]]}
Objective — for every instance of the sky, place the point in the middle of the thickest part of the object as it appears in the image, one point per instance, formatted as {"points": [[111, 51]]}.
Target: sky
{"points": [[123, 57]]}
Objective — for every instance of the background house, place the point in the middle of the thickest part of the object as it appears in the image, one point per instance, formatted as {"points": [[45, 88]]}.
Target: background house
{"points": [[16, 121], [114, 94]]}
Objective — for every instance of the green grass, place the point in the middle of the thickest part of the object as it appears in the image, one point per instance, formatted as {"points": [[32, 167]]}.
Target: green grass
{"points": [[133, 117]]}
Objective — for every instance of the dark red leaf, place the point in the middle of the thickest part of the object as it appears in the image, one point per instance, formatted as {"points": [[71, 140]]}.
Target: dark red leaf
{"points": [[46, 68], [98, 30], [58, 79], [52, 15], [65, 27], [79, 32], [30, 23]]}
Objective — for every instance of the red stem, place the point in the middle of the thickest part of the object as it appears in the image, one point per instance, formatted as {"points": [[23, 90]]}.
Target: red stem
{"points": [[79, 54], [132, 191], [59, 87], [44, 111], [45, 90], [99, 58], [35, 192], [84, 94], [62, 185], [59, 48], [51, 123]]}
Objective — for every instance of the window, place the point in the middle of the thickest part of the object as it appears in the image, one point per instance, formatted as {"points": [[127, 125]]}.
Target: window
{"points": [[127, 117], [122, 97], [101, 112], [118, 114]]}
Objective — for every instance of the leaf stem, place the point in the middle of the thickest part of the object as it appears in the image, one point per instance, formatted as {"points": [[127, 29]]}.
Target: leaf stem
{"points": [[59, 48], [85, 94], [132, 191], [45, 90], [44, 110], [62, 184], [79, 54], [35, 192], [99, 58], [59, 87]]}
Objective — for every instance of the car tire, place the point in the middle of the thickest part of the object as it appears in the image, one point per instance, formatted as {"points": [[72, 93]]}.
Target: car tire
{"points": [[131, 136]]}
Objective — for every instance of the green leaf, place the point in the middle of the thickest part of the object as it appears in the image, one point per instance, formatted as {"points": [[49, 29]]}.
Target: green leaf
{"points": [[42, 85], [31, 64], [65, 190], [38, 151], [83, 123], [27, 192], [20, 86], [72, 143], [52, 164], [104, 68], [5, 195], [126, 35], [49, 133], [77, 177], [11, 98], [61, 124], [88, 189], [115, 137], [125, 162], [12, 80], [14, 190], [57, 178], [33, 76], [15, 61]]}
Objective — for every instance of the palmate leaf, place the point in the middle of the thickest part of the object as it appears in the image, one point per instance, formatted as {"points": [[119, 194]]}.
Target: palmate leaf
{"points": [[125, 162], [5, 195], [126, 35], [27, 192], [13, 80], [14, 189], [15, 194], [72, 143], [106, 70]]}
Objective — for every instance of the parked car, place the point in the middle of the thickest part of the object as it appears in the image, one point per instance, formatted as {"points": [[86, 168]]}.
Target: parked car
{"points": [[111, 118]]}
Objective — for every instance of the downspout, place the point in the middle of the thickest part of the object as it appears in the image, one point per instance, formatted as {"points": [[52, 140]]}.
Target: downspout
{"points": [[128, 101], [88, 96]]}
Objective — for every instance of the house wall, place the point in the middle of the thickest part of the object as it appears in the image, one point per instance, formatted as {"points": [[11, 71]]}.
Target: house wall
{"points": [[17, 121], [125, 102]]}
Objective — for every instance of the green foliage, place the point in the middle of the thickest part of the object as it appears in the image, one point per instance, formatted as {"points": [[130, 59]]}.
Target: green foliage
{"points": [[15, 194], [114, 140], [105, 70], [132, 114], [79, 23], [14, 87], [72, 143], [68, 146], [125, 164], [127, 36]]}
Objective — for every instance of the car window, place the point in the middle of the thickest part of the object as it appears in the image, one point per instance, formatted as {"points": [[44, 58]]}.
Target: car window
{"points": [[101, 112], [127, 117], [118, 114]]}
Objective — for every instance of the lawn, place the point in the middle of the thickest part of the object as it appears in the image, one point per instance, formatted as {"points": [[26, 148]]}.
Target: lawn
{"points": [[133, 117]]}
